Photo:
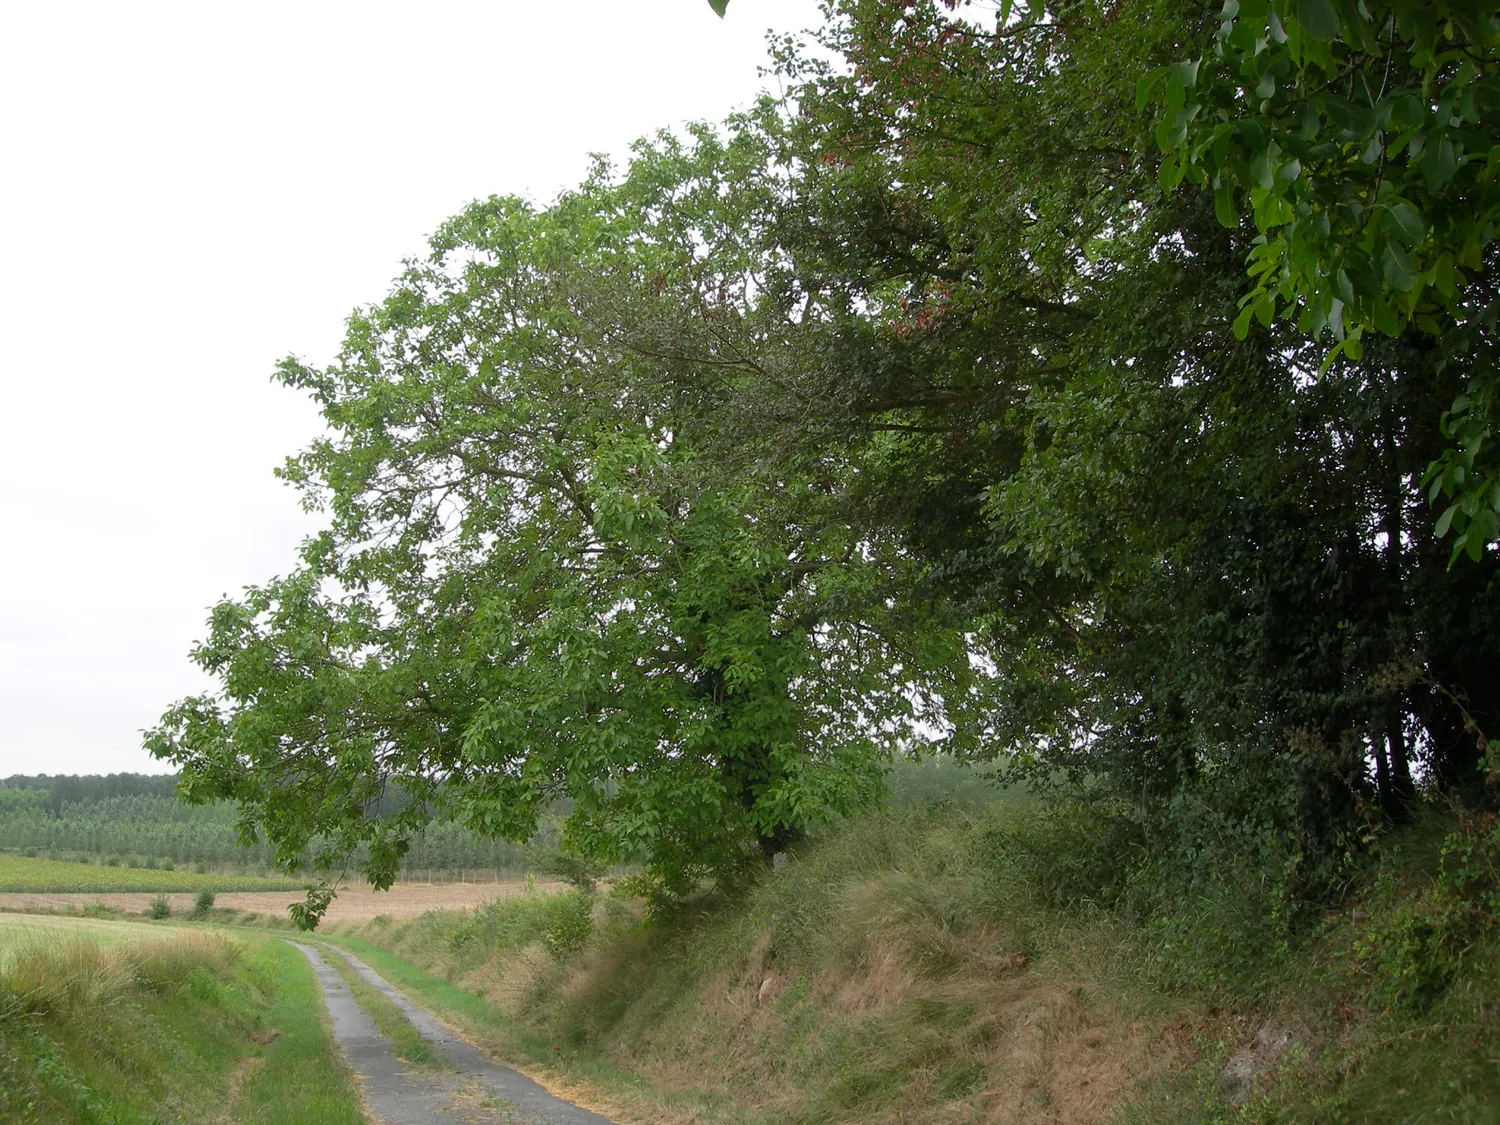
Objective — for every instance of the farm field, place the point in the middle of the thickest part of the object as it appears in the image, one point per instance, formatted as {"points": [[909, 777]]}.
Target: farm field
{"points": [[354, 904], [21, 931], [19, 873]]}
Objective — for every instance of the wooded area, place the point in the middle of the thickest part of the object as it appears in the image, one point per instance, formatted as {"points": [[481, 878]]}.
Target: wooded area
{"points": [[929, 405]]}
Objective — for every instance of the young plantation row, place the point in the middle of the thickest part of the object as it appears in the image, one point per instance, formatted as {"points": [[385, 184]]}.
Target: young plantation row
{"points": [[156, 830]]}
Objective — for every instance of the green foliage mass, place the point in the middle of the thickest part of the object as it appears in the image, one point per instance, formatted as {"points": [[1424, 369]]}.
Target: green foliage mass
{"points": [[535, 586], [923, 405], [1362, 139]]}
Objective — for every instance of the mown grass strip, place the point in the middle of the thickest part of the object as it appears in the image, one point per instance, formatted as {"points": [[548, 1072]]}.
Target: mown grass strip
{"points": [[20, 875], [303, 1080], [406, 1041]]}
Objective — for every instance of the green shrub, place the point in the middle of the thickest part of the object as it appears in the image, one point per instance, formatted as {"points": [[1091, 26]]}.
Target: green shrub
{"points": [[203, 904], [1417, 938], [570, 923], [561, 923], [571, 869], [159, 908]]}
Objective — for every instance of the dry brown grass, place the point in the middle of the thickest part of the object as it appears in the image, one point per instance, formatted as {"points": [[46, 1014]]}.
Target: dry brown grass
{"points": [[354, 904]]}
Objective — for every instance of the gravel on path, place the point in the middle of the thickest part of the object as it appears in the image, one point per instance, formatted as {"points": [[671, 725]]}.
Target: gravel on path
{"points": [[482, 1092]]}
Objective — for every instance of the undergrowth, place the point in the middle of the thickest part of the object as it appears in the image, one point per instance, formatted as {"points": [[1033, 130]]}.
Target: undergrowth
{"points": [[1021, 963]]}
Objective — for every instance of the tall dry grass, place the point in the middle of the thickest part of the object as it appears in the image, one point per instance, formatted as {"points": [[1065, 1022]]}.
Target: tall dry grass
{"points": [[44, 975]]}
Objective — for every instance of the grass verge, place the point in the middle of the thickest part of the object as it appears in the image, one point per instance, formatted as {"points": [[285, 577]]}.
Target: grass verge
{"points": [[202, 1027], [918, 966]]}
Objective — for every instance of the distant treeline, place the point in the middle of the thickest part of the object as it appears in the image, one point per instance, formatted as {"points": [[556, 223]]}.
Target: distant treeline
{"points": [[20, 791], [136, 818]]}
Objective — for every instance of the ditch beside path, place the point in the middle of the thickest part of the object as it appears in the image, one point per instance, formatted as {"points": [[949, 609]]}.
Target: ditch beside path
{"points": [[481, 1092]]}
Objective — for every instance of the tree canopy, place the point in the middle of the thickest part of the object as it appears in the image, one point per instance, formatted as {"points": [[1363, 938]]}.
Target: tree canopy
{"points": [[928, 402], [533, 586]]}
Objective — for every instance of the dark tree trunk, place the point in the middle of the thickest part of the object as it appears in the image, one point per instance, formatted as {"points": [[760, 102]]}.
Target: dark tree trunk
{"points": [[1399, 794]]}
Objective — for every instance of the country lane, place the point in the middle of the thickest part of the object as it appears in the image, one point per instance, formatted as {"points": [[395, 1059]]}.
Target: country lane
{"points": [[481, 1092]]}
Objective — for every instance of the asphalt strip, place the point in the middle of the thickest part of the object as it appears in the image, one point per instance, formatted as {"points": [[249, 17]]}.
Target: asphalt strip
{"points": [[481, 1092]]}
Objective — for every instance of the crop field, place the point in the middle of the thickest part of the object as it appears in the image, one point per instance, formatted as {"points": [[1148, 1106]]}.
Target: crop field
{"points": [[357, 903], [18, 873]]}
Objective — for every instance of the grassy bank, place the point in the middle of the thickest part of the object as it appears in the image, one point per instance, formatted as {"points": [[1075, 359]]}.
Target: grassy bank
{"points": [[187, 1027], [922, 965], [51, 876]]}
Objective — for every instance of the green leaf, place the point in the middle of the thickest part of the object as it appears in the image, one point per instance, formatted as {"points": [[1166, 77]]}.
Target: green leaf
{"points": [[1343, 287], [1354, 346], [1445, 521], [1171, 132], [1186, 72], [1407, 223], [1144, 87], [1224, 207], [719, 6], [1444, 275], [1439, 163], [1261, 171], [1169, 175], [1397, 268], [1318, 19], [1475, 542]]}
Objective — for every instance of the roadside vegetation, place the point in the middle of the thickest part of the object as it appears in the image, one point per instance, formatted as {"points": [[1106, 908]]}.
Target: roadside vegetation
{"points": [[141, 1026], [935, 963]]}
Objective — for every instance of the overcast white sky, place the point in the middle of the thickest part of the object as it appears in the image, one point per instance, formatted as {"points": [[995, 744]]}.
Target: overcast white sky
{"points": [[190, 191]]}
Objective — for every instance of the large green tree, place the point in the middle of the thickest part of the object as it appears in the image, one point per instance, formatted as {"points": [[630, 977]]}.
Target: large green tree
{"points": [[1203, 557], [1361, 140], [533, 587]]}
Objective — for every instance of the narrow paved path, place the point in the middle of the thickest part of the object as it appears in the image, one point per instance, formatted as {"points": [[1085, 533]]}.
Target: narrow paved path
{"points": [[481, 1092]]}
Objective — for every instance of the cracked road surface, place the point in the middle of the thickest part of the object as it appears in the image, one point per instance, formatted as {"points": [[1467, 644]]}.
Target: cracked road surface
{"points": [[481, 1092]]}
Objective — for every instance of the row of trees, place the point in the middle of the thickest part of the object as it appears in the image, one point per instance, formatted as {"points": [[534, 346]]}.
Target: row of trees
{"points": [[924, 406], [161, 827], [70, 789]]}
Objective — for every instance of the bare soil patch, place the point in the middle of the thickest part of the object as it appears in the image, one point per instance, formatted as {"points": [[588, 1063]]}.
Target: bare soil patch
{"points": [[354, 904]]}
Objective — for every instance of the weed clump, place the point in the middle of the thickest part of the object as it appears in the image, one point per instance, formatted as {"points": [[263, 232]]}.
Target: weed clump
{"points": [[159, 907]]}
